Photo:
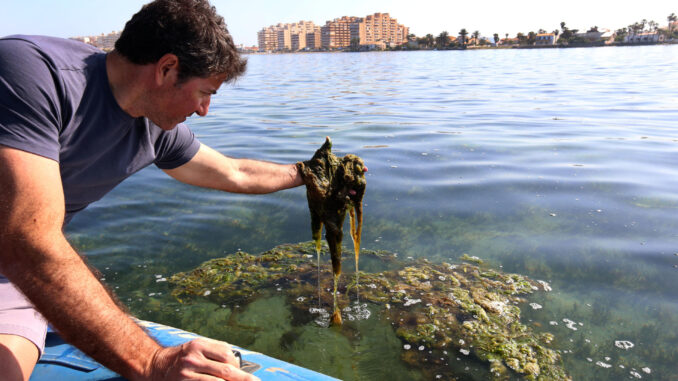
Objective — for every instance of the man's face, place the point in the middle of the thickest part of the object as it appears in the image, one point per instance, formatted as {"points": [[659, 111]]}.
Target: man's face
{"points": [[177, 101]]}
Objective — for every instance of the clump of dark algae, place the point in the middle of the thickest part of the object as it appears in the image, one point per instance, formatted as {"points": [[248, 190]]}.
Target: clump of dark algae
{"points": [[440, 312], [333, 187]]}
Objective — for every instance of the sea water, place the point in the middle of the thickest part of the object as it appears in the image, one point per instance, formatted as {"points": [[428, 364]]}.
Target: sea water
{"points": [[558, 164]]}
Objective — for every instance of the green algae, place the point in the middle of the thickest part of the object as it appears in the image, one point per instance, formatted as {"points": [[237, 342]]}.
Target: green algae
{"points": [[333, 187], [472, 259], [440, 307]]}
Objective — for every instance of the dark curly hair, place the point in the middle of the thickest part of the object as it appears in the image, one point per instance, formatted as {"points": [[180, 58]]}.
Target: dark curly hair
{"points": [[190, 29]]}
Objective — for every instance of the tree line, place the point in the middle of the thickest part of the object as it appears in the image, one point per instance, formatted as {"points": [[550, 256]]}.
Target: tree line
{"points": [[564, 35], [645, 26]]}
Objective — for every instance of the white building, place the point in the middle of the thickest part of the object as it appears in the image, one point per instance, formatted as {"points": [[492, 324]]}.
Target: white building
{"points": [[645, 37]]}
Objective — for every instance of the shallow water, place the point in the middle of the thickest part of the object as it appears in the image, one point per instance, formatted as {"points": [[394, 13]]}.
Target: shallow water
{"points": [[559, 164]]}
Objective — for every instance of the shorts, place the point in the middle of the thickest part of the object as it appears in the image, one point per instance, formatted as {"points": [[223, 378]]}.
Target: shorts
{"points": [[19, 317]]}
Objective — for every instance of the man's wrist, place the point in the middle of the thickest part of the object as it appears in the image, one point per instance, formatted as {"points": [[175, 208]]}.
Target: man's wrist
{"points": [[299, 173], [150, 366]]}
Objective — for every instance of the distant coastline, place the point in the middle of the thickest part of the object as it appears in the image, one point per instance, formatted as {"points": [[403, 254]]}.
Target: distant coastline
{"points": [[474, 48], [381, 32]]}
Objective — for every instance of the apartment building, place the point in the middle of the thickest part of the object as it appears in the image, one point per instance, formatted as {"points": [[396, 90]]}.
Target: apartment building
{"points": [[103, 41], [285, 36], [339, 32], [381, 27], [378, 29], [314, 39], [268, 38], [300, 31]]}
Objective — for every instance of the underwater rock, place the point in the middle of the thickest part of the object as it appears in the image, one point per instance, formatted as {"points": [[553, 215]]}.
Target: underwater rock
{"points": [[434, 307], [333, 187]]}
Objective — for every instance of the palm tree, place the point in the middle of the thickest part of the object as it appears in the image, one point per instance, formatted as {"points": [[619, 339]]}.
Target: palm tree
{"points": [[637, 28], [567, 33], [671, 19], [521, 38], [442, 40], [476, 34], [463, 33], [531, 38], [429, 40], [355, 44], [496, 38]]}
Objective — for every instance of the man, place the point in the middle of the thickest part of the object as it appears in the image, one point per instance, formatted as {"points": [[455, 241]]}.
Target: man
{"points": [[74, 122]]}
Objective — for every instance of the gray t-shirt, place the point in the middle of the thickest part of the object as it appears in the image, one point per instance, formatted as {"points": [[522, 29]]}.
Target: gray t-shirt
{"points": [[56, 102]]}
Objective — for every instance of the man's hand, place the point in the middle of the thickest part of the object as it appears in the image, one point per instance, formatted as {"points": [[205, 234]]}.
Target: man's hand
{"points": [[200, 359]]}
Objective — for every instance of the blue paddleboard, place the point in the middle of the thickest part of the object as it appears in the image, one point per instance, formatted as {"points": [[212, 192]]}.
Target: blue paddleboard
{"points": [[62, 361]]}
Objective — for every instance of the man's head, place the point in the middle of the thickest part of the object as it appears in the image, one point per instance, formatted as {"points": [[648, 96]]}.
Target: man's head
{"points": [[189, 29]]}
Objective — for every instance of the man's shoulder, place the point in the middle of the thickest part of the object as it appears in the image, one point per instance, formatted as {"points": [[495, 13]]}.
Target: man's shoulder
{"points": [[64, 54], [49, 42]]}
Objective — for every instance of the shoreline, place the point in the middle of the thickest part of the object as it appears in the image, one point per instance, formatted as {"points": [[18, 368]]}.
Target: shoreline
{"points": [[470, 48]]}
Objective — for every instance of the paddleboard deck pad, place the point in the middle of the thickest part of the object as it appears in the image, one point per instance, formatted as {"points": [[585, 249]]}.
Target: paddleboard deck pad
{"points": [[62, 361]]}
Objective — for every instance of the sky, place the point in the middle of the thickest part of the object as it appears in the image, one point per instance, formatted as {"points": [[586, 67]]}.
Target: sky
{"points": [[70, 18]]}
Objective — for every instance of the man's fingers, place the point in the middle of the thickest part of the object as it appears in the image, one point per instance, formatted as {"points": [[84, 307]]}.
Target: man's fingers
{"points": [[224, 371], [230, 374], [237, 374], [218, 360], [217, 351], [202, 377]]}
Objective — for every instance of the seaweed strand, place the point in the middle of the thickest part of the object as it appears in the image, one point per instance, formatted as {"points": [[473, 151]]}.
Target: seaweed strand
{"points": [[333, 187]]}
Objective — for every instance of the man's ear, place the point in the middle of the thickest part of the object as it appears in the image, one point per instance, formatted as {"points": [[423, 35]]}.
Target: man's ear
{"points": [[167, 69]]}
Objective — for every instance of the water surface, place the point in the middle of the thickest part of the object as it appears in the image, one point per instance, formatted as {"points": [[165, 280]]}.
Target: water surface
{"points": [[559, 164]]}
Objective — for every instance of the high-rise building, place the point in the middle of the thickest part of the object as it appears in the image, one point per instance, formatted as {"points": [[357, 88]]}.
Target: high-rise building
{"points": [[377, 29], [285, 36], [339, 32], [314, 39], [268, 38], [299, 32], [381, 27]]}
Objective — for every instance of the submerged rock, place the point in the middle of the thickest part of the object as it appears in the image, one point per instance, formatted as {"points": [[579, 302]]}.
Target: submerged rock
{"points": [[434, 307]]}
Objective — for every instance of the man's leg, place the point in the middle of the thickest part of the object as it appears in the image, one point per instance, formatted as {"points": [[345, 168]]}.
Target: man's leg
{"points": [[18, 356], [22, 333]]}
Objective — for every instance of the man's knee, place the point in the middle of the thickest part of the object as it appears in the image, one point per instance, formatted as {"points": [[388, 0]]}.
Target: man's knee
{"points": [[18, 356]]}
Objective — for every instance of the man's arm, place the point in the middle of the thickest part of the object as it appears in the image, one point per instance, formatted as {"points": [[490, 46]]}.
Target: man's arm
{"points": [[35, 256], [210, 169]]}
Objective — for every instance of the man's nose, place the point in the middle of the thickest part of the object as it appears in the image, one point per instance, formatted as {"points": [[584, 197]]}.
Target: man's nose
{"points": [[204, 107]]}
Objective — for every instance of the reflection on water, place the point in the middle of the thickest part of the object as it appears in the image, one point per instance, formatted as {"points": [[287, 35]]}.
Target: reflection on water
{"points": [[558, 164]]}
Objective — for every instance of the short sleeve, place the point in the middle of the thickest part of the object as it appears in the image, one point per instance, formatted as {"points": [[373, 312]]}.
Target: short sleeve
{"points": [[29, 101], [176, 147]]}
